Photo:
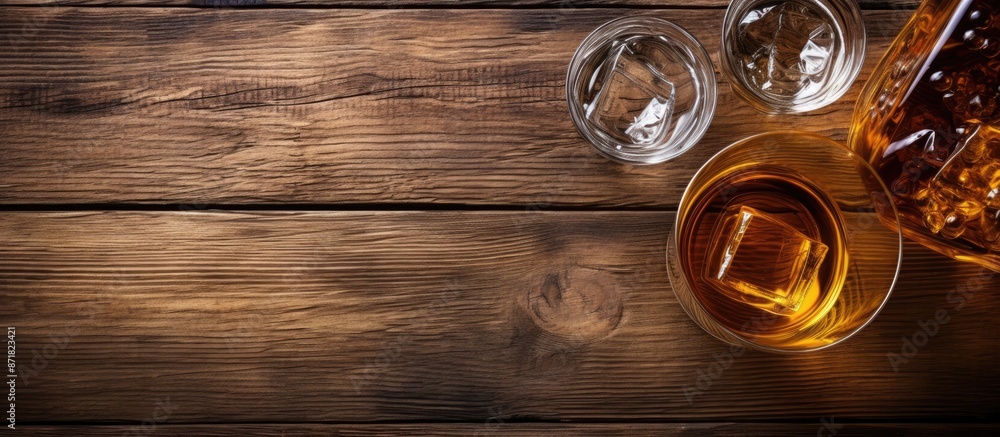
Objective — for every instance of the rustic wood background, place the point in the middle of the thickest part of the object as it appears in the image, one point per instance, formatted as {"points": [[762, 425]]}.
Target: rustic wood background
{"points": [[299, 217]]}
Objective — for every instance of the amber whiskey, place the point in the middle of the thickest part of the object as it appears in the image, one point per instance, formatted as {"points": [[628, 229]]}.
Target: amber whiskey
{"points": [[763, 244]]}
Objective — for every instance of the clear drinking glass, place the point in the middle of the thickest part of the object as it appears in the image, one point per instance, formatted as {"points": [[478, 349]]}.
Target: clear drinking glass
{"points": [[641, 90], [778, 244], [785, 56]]}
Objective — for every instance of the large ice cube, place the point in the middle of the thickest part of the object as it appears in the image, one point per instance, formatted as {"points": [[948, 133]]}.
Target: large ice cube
{"points": [[636, 102], [786, 47], [760, 260]]}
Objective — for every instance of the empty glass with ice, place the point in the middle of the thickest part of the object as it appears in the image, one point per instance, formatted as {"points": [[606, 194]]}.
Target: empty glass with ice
{"points": [[641, 90], [792, 55]]}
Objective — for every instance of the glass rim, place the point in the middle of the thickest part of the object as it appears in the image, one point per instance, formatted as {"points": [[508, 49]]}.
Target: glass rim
{"points": [[703, 67], [735, 338]]}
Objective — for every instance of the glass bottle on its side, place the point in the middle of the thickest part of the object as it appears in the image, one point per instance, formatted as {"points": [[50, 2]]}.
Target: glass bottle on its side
{"points": [[928, 121]]}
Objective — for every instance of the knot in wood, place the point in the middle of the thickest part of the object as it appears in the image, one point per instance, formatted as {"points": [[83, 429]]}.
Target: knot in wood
{"points": [[580, 303]]}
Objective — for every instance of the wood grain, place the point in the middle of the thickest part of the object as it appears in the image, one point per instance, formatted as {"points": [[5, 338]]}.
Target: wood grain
{"points": [[499, 427], [418, 107], [220, 317]]}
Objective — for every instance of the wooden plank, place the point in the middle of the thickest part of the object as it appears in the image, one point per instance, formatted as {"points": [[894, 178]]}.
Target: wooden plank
{"points": [[418, 316], [566, 4], [461, 107], [499, 427]]}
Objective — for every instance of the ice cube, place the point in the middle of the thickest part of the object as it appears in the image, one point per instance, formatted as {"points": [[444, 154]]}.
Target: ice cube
{"points": [[760, 260], [636, 102], [787, 48]]}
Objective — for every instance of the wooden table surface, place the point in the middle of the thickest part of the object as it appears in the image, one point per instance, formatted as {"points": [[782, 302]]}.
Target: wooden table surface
{"points": [[369, 217]]}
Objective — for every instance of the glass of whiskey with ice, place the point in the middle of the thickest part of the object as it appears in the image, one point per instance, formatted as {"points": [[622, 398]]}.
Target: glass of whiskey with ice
{"points": [[641, 90], [783, 242]]}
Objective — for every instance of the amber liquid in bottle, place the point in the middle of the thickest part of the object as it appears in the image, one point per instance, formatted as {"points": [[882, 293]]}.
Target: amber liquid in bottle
{"points": [[930, 128], [763, 250]]}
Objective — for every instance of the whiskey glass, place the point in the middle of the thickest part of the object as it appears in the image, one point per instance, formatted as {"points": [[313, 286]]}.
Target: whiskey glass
{"points": [[641, 90], [784, 242]]}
